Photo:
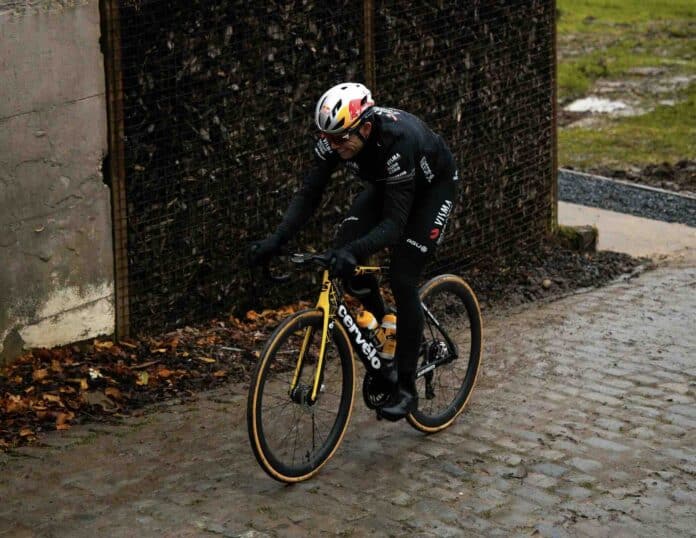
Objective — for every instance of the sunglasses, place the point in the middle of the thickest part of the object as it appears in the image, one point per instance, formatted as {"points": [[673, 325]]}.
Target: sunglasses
{"points": [[342, 138]]}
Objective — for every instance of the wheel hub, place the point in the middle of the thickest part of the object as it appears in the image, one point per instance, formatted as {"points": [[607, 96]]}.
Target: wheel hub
{"points": [[302, 394]]}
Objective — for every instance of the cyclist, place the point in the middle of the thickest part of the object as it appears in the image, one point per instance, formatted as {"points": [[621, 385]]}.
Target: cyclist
{"points": [[411, 181]]}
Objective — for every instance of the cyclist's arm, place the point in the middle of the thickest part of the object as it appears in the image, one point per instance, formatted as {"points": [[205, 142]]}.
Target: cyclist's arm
{"points": [[399, 192], [308, 197]]}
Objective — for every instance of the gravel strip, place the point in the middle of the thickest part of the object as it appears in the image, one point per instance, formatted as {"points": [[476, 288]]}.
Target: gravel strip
{"points": [[623, 197]]}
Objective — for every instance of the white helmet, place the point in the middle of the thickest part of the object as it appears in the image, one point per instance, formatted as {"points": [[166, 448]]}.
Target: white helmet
{"points": [[343, 108]]}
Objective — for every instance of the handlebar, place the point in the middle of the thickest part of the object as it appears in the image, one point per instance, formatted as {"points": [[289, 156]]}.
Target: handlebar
{"points": [[302, 258], [322, 260]]}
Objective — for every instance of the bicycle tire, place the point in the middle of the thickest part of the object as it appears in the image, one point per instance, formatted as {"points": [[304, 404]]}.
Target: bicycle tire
{"points": [[275, 439], [450, 299]]}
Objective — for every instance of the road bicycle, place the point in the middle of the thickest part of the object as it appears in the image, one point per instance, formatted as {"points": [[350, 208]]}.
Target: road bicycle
{"points": [[302, 391]]}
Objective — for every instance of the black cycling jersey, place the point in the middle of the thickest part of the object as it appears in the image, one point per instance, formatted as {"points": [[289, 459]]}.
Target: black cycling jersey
{"points": [[402, 158]]}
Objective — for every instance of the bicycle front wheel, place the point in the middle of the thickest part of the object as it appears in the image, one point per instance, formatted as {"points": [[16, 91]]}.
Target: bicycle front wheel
{"points": [[449, 364], [292, 435]]}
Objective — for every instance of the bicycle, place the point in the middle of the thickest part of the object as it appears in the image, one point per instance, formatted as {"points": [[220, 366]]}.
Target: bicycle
{"points": [[302, 391]]}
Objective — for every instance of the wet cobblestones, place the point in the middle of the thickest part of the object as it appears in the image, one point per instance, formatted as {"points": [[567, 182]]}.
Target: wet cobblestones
{"points": [[583, 424]]}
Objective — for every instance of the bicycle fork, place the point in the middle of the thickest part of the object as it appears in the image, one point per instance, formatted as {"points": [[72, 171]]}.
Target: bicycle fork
{"points": [[324, 305]]}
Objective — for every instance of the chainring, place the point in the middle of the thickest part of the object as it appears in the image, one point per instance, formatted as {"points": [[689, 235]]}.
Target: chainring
{"points": [[376, 391]]}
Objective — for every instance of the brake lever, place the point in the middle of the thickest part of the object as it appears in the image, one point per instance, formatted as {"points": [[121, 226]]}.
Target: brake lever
{"points": [[273, 278]]}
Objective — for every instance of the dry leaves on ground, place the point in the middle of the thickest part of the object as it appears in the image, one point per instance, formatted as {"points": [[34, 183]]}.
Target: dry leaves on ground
{"points": [[52, 389]]}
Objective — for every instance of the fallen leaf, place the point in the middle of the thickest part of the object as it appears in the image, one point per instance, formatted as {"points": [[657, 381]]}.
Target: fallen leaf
{"points": [[52, 398], [82, 382], [206, 359], [163, 372], [62, 420], [220, 373], [103, 345], [38, 375], [15, 404], [114, 393], [143, 378], [26, 432]]}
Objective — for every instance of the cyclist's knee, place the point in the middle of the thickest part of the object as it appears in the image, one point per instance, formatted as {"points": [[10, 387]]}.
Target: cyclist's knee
{"points": [[403, 282]]}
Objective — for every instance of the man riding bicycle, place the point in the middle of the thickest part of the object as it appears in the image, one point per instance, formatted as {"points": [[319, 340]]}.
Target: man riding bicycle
{"points": [[411, 181]]}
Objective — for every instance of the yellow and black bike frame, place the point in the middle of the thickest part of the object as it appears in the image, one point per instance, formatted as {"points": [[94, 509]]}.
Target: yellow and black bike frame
{"points": [[329, 303]]}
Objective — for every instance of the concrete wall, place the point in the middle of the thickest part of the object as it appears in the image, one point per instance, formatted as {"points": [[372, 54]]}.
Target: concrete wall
{"points": [[56, 266]]}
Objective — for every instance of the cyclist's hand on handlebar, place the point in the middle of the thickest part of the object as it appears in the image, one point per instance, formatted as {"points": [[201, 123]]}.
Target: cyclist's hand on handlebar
{"points": [[342, 262], [261, 252]]}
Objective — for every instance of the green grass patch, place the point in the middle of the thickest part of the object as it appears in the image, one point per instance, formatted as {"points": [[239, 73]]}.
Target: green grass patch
{"points": [[667, 134], [597, 16], [607, 39], [577, 75], [600, 39]]}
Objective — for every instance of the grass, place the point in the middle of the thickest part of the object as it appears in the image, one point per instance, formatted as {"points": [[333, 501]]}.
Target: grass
{"points": [[578, 16], [576, 75], [605, 40], [667, 134]]}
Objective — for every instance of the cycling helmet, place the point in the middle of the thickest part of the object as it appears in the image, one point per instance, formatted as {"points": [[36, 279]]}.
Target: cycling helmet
{"points": [[343, 108]]}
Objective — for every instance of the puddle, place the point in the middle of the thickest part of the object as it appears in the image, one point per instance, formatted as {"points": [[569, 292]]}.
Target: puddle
{"points": [[602, 106], [639, 94]]}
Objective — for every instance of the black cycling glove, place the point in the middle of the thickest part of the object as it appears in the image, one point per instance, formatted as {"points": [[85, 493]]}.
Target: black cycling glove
{"points": [[261, 252], [342, 262]]}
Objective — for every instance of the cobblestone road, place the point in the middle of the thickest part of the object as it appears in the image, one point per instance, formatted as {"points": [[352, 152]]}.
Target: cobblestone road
{"points": [[583, 424]]}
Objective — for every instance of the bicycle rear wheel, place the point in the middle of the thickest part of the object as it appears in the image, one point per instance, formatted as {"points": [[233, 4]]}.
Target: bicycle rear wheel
{"points": [[447, 370], [291, 436]]}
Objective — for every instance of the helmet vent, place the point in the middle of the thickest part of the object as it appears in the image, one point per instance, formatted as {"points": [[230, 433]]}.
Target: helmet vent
{"points": [[337, 107]]}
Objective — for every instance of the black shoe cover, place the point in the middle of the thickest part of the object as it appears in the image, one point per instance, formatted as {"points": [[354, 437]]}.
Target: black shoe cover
{"points": [[405, 401]]}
